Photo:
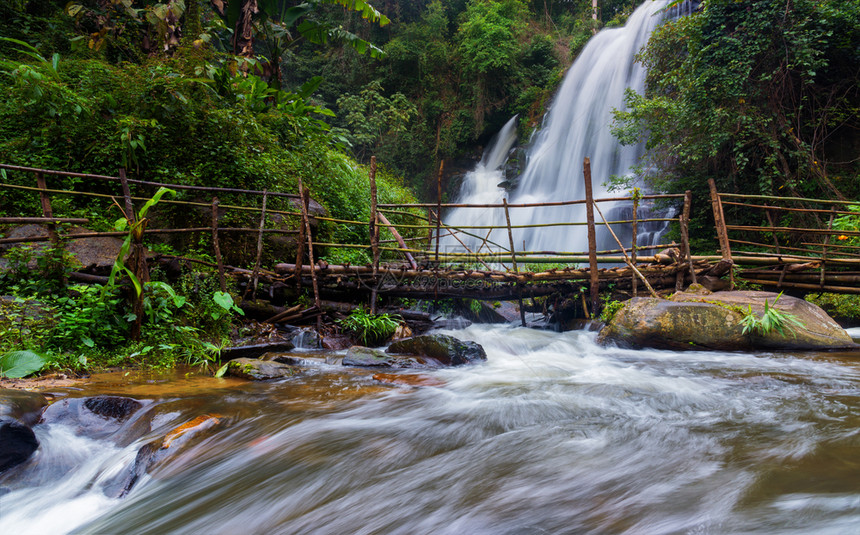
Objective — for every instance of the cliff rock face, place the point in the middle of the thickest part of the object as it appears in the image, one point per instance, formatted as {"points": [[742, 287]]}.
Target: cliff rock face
{"points": [[695, 321]]}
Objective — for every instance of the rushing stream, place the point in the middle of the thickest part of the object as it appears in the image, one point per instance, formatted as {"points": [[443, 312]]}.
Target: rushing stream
{"points": [[553, 434]]}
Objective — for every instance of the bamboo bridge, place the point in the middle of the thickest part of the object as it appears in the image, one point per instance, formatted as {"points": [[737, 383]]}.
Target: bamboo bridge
{"points": [[404, 242]]}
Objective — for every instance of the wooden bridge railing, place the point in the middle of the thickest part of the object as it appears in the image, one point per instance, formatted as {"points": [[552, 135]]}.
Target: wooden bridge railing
{"points": [[798, 235]]}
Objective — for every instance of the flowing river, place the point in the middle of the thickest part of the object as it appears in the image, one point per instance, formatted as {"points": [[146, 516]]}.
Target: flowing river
{"points": [[553, 434]]}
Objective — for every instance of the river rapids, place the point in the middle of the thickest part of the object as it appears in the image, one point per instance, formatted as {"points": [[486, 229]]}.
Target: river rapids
{"points": [[553, 434]]}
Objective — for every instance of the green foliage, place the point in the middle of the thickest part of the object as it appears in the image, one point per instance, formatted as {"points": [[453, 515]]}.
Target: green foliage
{"points": [[374, 118], [610, 308], [843, 307], [848, 223], [772, 319], [761, 96], [370, 329], [17, 364]]}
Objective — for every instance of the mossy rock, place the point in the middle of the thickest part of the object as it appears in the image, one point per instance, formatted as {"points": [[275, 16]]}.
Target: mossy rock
{"points": [[260, 370], [693, 321]]}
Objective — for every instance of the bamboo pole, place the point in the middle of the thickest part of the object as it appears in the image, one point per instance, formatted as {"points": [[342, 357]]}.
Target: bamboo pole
{"points": [[306, 199], [788, 209], [439, 207], [300, 243], [259, 248], [374, 235], [824, 250], [825, 232], [633, 242], [141, 182], [514, 262], [817, 287], [594, 287], [771, 198], [685, 233], [722, 230], [398, 238], [627, 260], [222, 281], [534, 205], [47, 211]]}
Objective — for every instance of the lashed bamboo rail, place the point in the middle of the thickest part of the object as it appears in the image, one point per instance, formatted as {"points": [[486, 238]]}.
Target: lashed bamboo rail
{"points": [[489, 254]]}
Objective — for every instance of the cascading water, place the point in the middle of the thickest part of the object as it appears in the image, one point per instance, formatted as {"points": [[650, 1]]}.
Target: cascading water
{"points": [[552, 434], [577, 126]]}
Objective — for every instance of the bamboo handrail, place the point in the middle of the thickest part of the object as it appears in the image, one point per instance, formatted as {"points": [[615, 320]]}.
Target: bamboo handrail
{"points": [[529, 205], [787, 209], [799, 199], [797, 249], [144, 182], [749, 228]]}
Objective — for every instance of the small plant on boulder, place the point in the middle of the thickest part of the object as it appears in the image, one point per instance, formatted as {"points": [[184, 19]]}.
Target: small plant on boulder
{"points": [[370, 329], [771, 320]]}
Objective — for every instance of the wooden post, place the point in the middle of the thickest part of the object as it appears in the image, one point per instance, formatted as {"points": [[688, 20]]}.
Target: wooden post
{"points": [[306, 201], [685, 233], [439, 208], [824, 251], [722, 232], [634, 241], [47, 211], [429, 229], [222, 281], [592, 239], [514, 262], [136, 257], [300, 242], [256, 273], [374, 235]]}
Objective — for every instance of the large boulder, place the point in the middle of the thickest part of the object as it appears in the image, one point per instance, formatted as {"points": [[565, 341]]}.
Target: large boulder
{"points": [[696, 321], [368, 357], [446, 350]]}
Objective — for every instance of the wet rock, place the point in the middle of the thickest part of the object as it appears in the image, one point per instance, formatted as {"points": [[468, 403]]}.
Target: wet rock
{"points": [[306, 339], [255, 350], [17, 443], [451, 324], [336, 342], [693, 321], [159, 451], [407, 379], [260, 370], [21, 405], [367, 357], [100, 417], [445, 349]]}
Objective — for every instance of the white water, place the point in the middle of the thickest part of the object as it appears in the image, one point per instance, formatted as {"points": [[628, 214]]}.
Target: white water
{"points": [[577, 126], [553, 434]]}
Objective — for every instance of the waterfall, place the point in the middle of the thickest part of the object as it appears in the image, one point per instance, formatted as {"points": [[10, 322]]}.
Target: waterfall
{"points": [[576, 126]]}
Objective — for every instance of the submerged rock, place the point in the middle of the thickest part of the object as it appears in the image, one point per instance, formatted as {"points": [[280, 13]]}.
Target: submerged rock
{"points": [[445, 349], [260, 370], [22, 405], [17, 443], [157, 452], [696, 321], [100, 417], [367, 357]]}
